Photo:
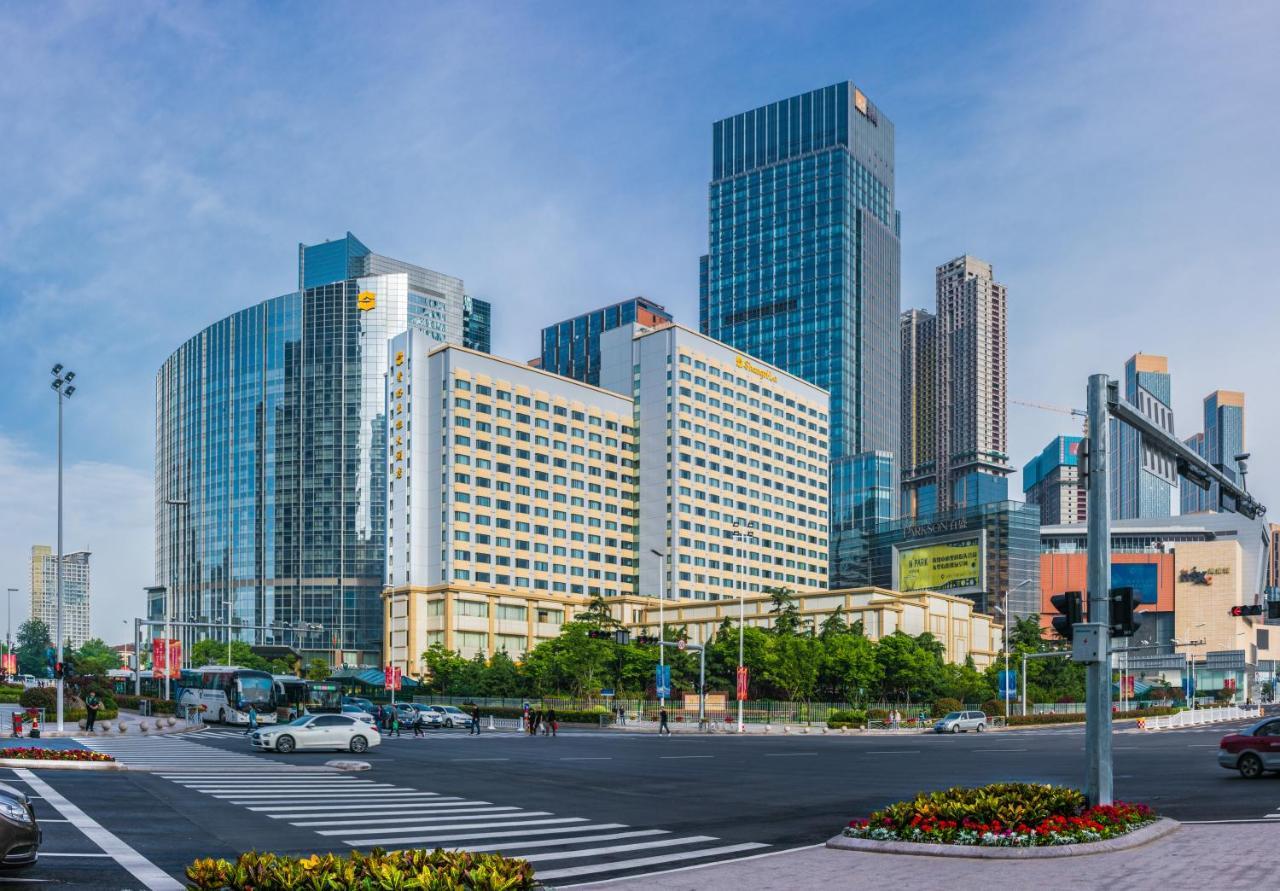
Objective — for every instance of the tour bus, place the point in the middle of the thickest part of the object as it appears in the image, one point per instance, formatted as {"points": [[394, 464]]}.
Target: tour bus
{"points": [[227, 692], [311, 697]]}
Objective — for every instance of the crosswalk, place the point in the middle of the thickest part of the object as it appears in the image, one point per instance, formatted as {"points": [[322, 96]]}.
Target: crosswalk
{"points": [[365, 813], [177, 752]]}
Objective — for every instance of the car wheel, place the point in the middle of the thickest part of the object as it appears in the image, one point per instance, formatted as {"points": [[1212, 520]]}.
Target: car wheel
{"points": [[285, 745], [222, 716], [449, 723], [359, 744], [981, 727], [1250, 766], [955, 728]]}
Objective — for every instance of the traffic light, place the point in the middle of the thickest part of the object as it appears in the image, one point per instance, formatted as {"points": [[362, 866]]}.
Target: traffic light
{"points": [[1273, 609], [646, 639], [1070, 607], [1125, 619], [598, 634], [57, 670], [1253, 610]]}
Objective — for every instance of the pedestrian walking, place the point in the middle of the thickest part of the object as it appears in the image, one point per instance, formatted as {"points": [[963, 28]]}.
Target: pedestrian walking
{"points": [[91, 705], [537, 722], [419, 723], [395, 722], [253, 720], [475, 720], [552, 724], [662, 722]]}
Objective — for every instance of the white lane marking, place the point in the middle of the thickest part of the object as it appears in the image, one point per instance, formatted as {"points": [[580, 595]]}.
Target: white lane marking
{"points": [[557, 842], [893, 752], [1001, 750], [1202, 746], [501, 823], [143, 869], [616, 865], [412, 839], [460, 760], [417, 815], [587, 758], [353, 810], [663, 872], [679, 757], [304, 797], [381, 825], [618, 849], [44, 854], [791, 754]]}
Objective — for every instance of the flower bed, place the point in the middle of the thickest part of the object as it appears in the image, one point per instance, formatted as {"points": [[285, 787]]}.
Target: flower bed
{"points": [[1078, 717], [435, 870], [1001, 815], [35, 753]]}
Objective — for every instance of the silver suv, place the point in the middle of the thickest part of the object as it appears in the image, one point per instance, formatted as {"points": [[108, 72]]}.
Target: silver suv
{"points": [[960, 722]]}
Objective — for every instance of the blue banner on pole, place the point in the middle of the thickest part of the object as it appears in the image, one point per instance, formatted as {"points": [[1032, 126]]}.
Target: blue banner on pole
{"points": [[1008, 684], [663, 675]]}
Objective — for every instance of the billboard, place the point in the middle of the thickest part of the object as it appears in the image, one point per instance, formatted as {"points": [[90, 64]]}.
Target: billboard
{"points": [[947, 566], [1141, 577]]}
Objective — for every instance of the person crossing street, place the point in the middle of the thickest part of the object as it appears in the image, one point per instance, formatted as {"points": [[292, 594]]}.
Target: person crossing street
{"points": [[475, 720], [662, 722]]}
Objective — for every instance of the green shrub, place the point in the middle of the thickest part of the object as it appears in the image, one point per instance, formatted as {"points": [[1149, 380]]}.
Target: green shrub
{"points": [[10, 694], [993, 707], [134, 703], [428, 870], [73, 706], [877, 714], [1010, 803], [846, 718], [1030, 720], [39, 697], [946, 705]]}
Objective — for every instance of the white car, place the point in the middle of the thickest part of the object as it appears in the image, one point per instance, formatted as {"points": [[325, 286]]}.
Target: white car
{"points": [[357, 712], [341, 732], [451, 715]]}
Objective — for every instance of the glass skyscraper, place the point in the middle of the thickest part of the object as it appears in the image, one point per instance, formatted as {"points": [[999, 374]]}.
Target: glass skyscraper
{"points": [[270, 467], [1142, 480], [1221, 441], [803, 271], [572, 348]]}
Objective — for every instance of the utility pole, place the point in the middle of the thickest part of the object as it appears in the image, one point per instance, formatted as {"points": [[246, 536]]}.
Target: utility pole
{"points": [[662, 619], [1097, 740]]}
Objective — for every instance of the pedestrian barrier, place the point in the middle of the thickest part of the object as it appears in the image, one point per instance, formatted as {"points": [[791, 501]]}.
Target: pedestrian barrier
{"points": [[1199, 717]]}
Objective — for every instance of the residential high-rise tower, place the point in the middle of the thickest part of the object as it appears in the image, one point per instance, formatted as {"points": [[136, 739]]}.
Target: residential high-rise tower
{"points": [[75, 593], [955, 408], [1051, 480]]}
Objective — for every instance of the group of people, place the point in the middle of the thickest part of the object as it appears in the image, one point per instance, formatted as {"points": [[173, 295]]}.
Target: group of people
{"points": [[537, 719]]}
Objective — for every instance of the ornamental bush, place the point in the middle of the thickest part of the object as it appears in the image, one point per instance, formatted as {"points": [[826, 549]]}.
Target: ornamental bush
{"points": [[945, 706], [1078, 717], [73, 706], [846, 718], [35, 753], [1001, 814], [427, 870]]}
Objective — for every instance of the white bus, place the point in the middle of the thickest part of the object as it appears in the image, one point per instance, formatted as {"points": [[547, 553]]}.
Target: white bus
{"points": [[227, 692]]}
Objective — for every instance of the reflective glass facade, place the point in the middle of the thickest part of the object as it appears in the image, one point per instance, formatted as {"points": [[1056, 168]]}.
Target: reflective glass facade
{"points": [[1142, 481], [803, 266], [270, 435], [572, 348]]}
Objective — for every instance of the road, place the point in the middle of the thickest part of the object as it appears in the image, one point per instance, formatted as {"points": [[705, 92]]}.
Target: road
{"points": [[585, 806]]}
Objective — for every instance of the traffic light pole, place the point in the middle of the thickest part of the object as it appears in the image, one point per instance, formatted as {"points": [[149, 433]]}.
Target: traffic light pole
{"points": [[1098, 776]]}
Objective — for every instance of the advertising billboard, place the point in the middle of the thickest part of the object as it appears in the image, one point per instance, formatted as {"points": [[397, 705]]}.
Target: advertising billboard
{"points": [[1141, 577], [948, 566]]}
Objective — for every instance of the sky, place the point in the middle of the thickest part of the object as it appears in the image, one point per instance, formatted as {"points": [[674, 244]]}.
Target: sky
{"points": [[1115, 162]]}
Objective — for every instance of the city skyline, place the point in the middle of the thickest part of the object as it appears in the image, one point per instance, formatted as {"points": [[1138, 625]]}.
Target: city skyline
{"points": [[155, 226]]}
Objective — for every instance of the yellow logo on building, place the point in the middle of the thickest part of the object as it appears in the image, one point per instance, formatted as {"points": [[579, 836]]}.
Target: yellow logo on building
{"points": [[747, 365], [366, 300], [400, 357]]}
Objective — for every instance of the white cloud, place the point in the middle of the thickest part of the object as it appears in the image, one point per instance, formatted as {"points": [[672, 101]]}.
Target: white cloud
{"points": [[107, 509]]}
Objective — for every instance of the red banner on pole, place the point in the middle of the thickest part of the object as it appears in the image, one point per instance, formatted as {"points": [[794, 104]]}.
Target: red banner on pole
{"points": [[159, 657], [10, 663], [742, 683], [396, 677], [175, 658], [389, 678]]}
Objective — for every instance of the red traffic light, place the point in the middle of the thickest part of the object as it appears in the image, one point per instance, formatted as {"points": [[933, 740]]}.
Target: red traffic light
{"points": [[1237, 610]]}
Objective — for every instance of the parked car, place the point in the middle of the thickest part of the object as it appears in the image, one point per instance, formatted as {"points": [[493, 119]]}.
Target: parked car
{"points": [[1252, 751], [19, 831], [356, 711], [406, 713], [343, 732], [452, 716], [360, 701], [961, 722], [430, 717]]}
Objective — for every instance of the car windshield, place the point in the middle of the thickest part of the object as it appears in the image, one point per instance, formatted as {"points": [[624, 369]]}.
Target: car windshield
{"points": [[453, 708], [953, 716]]}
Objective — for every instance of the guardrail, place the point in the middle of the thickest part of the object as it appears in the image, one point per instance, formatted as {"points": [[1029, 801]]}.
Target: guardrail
{"points": [[1198, 717]]}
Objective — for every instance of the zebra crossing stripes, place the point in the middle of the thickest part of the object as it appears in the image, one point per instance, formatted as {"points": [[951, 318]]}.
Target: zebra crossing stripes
{"points": [[364, 813], [179, 752]]}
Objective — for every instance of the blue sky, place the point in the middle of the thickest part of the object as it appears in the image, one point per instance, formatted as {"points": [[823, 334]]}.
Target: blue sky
{"points": [[1116, 162]]}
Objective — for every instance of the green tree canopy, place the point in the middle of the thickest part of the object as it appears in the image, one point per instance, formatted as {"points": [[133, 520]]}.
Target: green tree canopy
{"points": [[94, 658], [782, 606], [33, 644]]}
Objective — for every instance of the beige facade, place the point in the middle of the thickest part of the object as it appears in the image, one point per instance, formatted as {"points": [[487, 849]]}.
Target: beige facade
{"points": [[473, 619], [1208, 582]]}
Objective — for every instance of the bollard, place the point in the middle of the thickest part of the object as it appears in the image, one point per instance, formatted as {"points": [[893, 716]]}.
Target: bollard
{"points": [[491, 727]]}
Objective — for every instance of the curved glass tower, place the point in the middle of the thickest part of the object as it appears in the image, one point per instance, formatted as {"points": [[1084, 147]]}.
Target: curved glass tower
{"points": [[270, 462]]}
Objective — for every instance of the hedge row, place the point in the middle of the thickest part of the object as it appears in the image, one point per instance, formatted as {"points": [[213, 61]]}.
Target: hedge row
{"points": [[158, 706], [852, 718], [416, 868], [1077, 718], [73, 706]]}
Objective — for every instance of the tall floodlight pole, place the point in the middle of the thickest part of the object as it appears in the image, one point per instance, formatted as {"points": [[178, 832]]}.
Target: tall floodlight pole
{"points": [[63, 387], [1098, 781]]}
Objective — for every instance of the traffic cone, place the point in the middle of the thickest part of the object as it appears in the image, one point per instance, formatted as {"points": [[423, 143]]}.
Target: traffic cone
{"points": [[35, 726]]}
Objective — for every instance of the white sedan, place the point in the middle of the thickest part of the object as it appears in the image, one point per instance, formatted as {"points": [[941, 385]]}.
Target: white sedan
{"points": [[341, 732]]}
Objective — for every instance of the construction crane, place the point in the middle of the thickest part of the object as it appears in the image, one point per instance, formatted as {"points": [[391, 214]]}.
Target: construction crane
{"points": [[1061, 409]]}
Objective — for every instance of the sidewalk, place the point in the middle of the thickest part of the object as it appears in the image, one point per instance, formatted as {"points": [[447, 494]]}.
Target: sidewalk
{"points": [[1237, 855], [131, 720]]}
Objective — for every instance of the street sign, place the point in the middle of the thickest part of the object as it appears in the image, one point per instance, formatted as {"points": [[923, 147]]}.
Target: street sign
{"points": [[742, 683], [606, 692], [663, 674], [680, 644], [1008, 681]]}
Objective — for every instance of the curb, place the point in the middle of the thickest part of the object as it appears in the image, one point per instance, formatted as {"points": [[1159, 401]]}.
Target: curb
{"points": [[35, 764], [1159, 829]]}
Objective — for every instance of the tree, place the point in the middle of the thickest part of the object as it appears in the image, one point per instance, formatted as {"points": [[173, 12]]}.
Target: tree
{"points": [[782, 606], [318, 670], [597, 615], [912, 666], [208, 651], [34, 642], [503, 677], [94, 658], [849, 669], [444, 669], [834, 624], [793, 664]]}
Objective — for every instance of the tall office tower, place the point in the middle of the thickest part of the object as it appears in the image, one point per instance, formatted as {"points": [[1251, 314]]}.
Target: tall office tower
{"points": [[270, 477], [803, 271], [1051, 480], [955, 408], [1191, 498], [1221, 441], [75, 593], [733, 465], [572, 348], [1142, 480]]}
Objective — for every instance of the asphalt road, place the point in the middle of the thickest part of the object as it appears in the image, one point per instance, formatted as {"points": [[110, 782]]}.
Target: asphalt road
{"points": [[588, 805]]}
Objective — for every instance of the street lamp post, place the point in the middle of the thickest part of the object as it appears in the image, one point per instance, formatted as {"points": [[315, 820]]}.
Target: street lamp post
{"points": [[8, 634], [1008, 692], [662, 618], [172, 591], [62, 385], [739, 534]]}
